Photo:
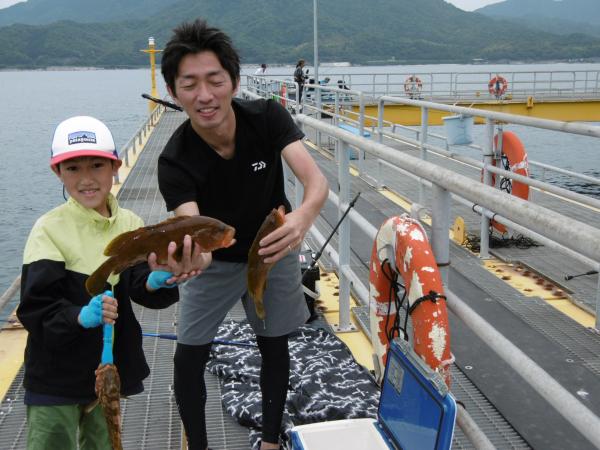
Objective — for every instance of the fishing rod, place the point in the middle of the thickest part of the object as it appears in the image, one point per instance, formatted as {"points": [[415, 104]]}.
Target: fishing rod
{"points": [[163, 102], [337, 225], [173, 337], [570, 277]]}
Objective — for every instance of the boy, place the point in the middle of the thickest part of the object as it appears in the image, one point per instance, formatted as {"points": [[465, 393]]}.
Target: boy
{"points": [[66, 245]]}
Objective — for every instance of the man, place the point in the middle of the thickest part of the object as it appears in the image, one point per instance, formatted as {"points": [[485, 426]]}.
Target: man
{"points": [[262, 70], [225, 162], [300, 78]]}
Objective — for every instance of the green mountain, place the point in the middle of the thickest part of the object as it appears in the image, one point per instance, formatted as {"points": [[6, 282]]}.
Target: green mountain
{"points": [[279, 31], [38, 12], [582, 11], [561, 17]]}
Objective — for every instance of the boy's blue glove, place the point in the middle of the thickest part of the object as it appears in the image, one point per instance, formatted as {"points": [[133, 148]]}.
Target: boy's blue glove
{"points": [[91, 315], [158, 279]]}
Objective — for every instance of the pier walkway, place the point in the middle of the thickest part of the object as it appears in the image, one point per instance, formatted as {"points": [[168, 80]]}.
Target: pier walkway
{"points": [[507, 409]]}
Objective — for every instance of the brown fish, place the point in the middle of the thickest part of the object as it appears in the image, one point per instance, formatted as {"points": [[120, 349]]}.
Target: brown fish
{"points": [[257, 269], [108, 390], [133, 247]]}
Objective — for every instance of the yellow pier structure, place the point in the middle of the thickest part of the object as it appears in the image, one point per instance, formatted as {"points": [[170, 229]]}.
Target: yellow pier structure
{"points": [[564, 110], [152, 51]]}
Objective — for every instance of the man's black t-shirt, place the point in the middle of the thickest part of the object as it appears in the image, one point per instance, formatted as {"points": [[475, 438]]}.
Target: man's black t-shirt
{"points": [[240, 191]]}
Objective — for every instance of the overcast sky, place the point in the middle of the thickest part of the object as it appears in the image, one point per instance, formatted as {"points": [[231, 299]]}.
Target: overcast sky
{"points": [[5, 3], [468, 5]]}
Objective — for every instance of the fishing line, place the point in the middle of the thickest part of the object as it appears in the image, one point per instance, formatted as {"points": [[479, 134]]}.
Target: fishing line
{"points": [[173, 337], [337, 225]]}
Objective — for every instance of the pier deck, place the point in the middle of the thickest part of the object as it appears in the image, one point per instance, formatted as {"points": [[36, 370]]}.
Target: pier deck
{"points": [[510, 413]]}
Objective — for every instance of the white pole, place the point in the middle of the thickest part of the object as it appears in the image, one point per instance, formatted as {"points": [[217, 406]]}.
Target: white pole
{"points": [[316, 44]]}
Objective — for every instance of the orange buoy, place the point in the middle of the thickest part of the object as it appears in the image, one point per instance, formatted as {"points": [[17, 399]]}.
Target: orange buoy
{"points": [[516, 156], [283, 95], [498, 86], [401, 247]]}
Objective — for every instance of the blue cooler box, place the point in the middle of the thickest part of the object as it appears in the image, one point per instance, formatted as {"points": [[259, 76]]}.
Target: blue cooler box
{"points": [[416, 412]]}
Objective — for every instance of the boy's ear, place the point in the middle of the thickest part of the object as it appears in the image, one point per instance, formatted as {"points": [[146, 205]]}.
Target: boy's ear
{"points": [[56, 169], [116, 164]]}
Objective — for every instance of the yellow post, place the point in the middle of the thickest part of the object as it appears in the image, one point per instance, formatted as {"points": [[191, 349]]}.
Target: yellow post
{"points": [[152, 51]]}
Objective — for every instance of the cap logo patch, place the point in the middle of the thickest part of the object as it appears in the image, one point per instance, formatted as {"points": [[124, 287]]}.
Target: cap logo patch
{"points": [[82, 137]]}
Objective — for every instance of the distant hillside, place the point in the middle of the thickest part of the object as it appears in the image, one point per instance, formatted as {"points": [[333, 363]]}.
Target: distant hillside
{"points": [[403, 31], [582, 11], [37, 12]]}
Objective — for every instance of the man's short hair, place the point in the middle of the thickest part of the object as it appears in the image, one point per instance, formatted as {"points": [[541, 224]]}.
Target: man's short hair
{"points": [[195, 37]]}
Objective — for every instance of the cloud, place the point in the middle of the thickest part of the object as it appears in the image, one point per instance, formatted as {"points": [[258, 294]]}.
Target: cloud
{"points": [[7, 3], [470, 5]]}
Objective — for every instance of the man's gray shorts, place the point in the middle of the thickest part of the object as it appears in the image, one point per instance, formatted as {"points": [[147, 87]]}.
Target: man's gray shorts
{"points": [[206, 300]]}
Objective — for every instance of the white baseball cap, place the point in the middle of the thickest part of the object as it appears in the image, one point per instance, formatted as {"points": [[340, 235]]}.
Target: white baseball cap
{"points": [[82, 136]]}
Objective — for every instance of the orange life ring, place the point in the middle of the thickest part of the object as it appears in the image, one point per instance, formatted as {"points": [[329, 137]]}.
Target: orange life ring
{"points": [[514, 151], [401, 247], [498, 86], [283, 95], [413, 85]]}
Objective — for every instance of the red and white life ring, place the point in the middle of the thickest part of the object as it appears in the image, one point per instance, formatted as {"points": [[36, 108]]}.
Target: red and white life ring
{"points": [[498, 86], [401, 247], [413, 85], [514, 151]]}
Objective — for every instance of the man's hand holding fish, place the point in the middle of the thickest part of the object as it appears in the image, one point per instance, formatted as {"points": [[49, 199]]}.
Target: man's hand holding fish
{"points": [[193, 262], [282, 240]]}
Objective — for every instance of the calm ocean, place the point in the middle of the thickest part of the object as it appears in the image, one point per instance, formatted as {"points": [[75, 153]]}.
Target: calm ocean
{"points": [[34, 102]]}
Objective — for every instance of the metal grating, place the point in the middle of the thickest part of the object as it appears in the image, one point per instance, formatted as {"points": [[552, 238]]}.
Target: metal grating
{"points": [[13, 431], [583, 343]]}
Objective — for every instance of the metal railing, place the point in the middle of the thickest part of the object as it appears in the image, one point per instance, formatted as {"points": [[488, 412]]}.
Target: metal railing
{"points": [[579, 237], [558, 231], [464, 86], [549, 235], [136, 141]]}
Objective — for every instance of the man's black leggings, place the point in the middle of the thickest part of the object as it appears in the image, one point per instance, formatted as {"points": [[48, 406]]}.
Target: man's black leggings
{"points": [[190, 390]]}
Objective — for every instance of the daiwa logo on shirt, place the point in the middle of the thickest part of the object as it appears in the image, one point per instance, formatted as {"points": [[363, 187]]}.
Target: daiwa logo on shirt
{"points": [[260, 165], [82, 137]]}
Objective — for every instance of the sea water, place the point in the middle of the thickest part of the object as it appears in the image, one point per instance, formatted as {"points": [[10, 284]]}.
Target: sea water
{"points": [[34, 102]]}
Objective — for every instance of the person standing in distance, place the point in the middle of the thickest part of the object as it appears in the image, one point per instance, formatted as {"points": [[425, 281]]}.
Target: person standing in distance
{"points": [[262, 70], [300, 78], [225, 161]]}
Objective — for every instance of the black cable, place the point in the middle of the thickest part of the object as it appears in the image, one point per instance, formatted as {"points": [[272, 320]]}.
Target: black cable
{"points": [[472, 242], [395, 329], [163, 102], [505, 183]]}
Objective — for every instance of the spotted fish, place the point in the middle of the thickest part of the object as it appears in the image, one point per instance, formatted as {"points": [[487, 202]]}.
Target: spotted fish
{"points": [[257, 268], [133, 247], [108, 390]]}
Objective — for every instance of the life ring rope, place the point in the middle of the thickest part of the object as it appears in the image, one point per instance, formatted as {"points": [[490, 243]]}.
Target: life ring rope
{"points": [[432, 296], [401, 250], [514, 159]]}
